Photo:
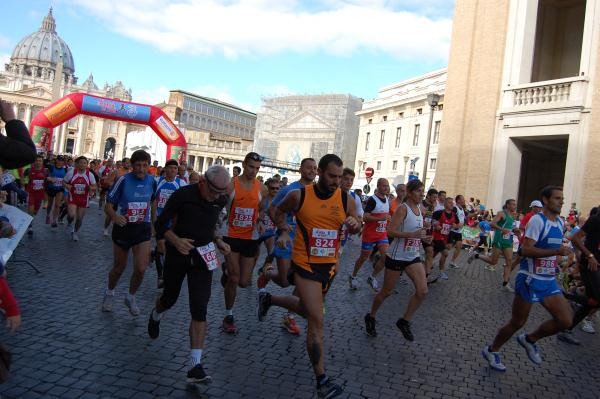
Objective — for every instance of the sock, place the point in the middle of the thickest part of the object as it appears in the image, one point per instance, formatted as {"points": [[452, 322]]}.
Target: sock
{"points": [[109, 291], [155, 315], [130, 296], [195, 357], [504, 283], [321, 380], [476, 256], [230, 312], [528, 340]]}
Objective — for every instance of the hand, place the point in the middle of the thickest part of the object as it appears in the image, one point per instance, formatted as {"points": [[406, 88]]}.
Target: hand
{"points": [[184, 245], [564, 251], [592, 264], [119, 220], [283, 239], [352, 223], [418, 233], [427, 239], [223, 246], [161, 247], [7, 112], [13, 322]]}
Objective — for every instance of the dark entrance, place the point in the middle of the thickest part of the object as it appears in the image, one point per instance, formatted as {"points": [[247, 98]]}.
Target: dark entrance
{"points": [[109, 148]]}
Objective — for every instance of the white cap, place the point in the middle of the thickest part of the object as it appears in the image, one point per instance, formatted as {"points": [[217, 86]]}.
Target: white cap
{"points": [[536, 204]]}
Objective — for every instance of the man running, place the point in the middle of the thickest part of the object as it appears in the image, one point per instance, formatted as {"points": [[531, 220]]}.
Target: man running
{"points": [[346, 184], [283, 255], [81, 183], [406, 227], [399, 200], [502, 243], [443, 222], [266, 227], [132, 195], [105, 183], [246, 194], [165, 187], [429, 204], [55, 189], [36, 187], [536, 282], [536, 207], [191, 246], [321, 211], [376, 217], [455, 237]]}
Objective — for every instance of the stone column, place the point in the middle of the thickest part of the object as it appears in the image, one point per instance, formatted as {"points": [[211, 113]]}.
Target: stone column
{"points": [[27, 118]]}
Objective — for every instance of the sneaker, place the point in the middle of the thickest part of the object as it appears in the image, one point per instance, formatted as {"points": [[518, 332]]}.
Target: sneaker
{"points": [[290, 324], [353, 282], [107, 303], [132, 305], [106, 232], [74, 236], [471, 255], [508, 288], [531, 349], [263, 279], [493, 359], [229, 325], [153, 327], [404, 327], [453, 265], [443, 276], [373, 283], [30, 231], [370, 325], [568, 337], [431, 278], [587, 326], [264, 303], [329, 389], [196, 375]]}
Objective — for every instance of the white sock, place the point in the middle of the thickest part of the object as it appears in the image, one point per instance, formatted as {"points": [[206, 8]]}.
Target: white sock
{"points": [[230, 312], [155, 315], [195, 357], [109, 291]]}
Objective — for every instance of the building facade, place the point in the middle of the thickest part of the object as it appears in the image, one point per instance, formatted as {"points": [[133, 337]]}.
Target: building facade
{"points": [[41, 70], [394, 127], [291, 128], [523, 79], [216, 132]]}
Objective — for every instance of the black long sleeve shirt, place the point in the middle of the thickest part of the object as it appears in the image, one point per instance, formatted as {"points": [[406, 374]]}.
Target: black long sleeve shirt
{"points": [[192, 216], [16, 148]]}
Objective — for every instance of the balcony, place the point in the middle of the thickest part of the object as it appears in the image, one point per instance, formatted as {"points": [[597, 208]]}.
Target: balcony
{"points": [[547, 95]]}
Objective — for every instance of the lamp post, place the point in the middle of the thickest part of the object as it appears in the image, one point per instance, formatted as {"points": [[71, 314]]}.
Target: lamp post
{"points": [[405, 167], [432, 100]]}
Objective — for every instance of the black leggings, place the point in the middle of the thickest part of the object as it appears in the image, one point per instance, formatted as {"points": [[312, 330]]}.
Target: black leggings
{"points": [[591, 281], [199, 278]]}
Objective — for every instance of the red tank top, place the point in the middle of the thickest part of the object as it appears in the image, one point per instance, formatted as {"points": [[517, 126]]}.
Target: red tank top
{"points": [[37, 179], [80, 184], [377, 230], [446, 223]]}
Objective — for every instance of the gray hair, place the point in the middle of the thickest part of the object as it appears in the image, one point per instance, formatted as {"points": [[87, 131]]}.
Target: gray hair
{"points": [[217, 172]]}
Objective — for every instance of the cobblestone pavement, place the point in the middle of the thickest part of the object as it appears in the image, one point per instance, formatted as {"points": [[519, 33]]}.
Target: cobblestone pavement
{"points": [[68, 348]]}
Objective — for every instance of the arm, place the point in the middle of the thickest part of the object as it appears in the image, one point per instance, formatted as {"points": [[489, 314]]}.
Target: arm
{"points": [[367, 217], [499, 216], [67, 180], [289, 204], [183, 245], [113, 199], [577, 240], [529, 250], [352, 221], [9, 305]]}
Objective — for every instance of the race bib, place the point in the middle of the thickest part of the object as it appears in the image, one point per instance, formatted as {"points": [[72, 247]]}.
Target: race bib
{"points": [[38, 184], [58, 181], [381, 226], [545, 266], [324, 242], [136, 212], [446, 229], [269, 225], [208, 254], [412, 245], [79, 189], [243, 217], [163, 197], [506, 236]]}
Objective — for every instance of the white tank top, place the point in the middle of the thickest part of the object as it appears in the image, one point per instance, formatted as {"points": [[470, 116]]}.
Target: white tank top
{"points": [[407, 248], [460, 212]]}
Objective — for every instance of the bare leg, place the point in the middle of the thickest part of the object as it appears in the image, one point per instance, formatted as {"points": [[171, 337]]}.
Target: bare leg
{"points": [[233, 278], [120, 262], [141, 258], [390, 278], [520, 313], [416, 272], [562, 318], [364, 255]]}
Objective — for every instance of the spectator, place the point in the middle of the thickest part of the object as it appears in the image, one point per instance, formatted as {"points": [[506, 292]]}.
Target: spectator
{"points": [[16, 148]]}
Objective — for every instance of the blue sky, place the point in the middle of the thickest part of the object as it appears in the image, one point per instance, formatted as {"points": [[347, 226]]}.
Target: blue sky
{"points": [[240, 50]]}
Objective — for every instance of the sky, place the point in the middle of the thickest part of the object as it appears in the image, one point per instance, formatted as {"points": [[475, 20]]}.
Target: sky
{"points": [[239, 51]]}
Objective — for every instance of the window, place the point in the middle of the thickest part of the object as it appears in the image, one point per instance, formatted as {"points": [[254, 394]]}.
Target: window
{"points": [[367, 141], [112, 127], [378, 165], [381, 139], [90, 124], [432, 163], [440, 107], [416, 135], [398, 134], [370, 121], [419, 111], [400, 115], [385, 118], [395, 165], [436, 132]]}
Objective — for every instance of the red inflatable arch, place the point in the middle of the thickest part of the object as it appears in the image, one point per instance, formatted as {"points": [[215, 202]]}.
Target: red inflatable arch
{"points": [[73, 104]]}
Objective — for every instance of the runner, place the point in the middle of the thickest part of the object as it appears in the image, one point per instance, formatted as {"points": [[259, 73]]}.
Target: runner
{"points": [[536, 207], [266, 227], [165, 187], [246, 194], [444, 221], [502, 243], [455, 237], [55, 190], [308, 172], [441, 199], [105, 182], [81, 183], [321, 211], [536, 282], [406, 227], [346, 184], [35, 188], [191, 252], [132, 195], [376, 217], [399, 200], [429, 204]]}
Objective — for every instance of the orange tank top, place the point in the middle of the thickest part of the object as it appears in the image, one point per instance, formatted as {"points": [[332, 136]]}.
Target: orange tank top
{"points": [[243, 212], [320, 222]]}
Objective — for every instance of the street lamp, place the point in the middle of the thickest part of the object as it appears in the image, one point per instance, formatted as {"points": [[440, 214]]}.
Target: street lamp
{"points": [[405, 166], [432, 100]]}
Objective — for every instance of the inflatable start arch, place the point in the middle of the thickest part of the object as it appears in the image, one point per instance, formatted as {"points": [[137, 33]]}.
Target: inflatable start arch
{"points": [[71, 105]]}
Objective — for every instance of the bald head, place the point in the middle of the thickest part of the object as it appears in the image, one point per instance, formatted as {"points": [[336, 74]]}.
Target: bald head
{"points": [[383, 186]]}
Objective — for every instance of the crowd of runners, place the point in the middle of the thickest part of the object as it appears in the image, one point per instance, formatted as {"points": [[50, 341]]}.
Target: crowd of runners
{"points": [[180, 220]]}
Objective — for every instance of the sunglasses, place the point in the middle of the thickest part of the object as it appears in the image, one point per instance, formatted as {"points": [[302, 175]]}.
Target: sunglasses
{"points": [[254, 157]]}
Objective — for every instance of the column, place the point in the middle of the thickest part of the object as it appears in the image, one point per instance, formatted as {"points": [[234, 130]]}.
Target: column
{"points": [[27, 118]]}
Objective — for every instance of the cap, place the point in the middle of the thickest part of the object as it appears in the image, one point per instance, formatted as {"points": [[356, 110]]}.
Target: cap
{"points": [[536, 204]]}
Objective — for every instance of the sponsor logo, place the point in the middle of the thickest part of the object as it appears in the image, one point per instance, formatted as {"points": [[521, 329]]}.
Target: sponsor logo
{"points": [[61, 112], [167, 128], [119, 109]]}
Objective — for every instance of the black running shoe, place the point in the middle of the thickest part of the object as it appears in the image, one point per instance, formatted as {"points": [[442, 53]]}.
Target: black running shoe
{"points": [[370, 325], [264, 303], [329, 389], [197, 375], [404, 327], [153, 327]]}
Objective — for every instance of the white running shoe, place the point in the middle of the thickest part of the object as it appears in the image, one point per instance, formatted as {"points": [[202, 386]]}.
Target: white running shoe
{"points": [[443, 275], [373, 283], [587, 326], [531, 349], [106, 233], [493, 359], [132, 305], [508, 288], [471, 255], [353, 282], [74, 236], [107, 303]]}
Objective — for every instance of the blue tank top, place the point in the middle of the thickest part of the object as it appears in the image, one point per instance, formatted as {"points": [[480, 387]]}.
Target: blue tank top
{"points": [[57, 173], [291, 217], [551, 237], [164, 189], [133, 197]]}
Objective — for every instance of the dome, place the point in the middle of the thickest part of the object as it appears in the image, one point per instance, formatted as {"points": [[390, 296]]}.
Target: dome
{"points": [[44, 48]]}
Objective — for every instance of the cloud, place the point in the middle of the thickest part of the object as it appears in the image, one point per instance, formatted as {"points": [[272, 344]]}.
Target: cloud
{"points": [[5, 42], [151, 96], [161, 94], [239, 28]]}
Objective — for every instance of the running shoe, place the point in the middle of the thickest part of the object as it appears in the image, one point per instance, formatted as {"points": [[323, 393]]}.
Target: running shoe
{"points": [[289, 323], [107, 303], [531, 349], [229, 325], [443, 275], [106, 232], [153, 326], [263, 279], [74, 236], [493, 359], [587, 326], [453, 265], [329, 389], [264, 303], [431, 278], [373, 283], [353, 282], [30, 231], [370, 325], [196, 375], [404, 327], [568, 337], [471, 255], [132, 305], [490, 268], [508, 288]]}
